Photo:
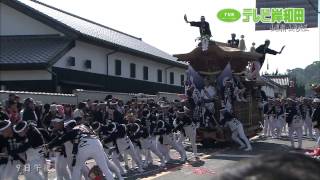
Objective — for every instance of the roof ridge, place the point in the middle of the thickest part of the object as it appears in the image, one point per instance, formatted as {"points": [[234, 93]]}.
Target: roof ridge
{"points": [[90, 21]]}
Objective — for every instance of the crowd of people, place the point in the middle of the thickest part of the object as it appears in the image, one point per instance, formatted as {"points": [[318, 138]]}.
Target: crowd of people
{"points": [[31, 132], [292, 117]]}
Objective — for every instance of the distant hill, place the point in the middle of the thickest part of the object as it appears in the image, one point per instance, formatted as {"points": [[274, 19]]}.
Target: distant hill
{"points": [[306, 77]]}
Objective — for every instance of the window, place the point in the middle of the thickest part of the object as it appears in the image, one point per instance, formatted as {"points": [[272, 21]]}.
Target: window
{"points": [[87, 64], [118, 67], [145, 73], [132, 70], [159, 75], [171, 78], [71, 61], [182, 79]]}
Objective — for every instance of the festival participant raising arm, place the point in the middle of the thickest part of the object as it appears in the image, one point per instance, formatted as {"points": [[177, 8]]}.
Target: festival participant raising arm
{"points": [[204, 28], [262, 49]]}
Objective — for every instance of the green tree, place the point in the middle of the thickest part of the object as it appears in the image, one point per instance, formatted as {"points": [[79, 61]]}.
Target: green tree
{"points": [[305, 77]]}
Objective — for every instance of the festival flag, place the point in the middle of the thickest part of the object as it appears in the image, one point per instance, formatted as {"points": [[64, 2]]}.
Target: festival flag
{"points": [[227, 72], [194, 79]]}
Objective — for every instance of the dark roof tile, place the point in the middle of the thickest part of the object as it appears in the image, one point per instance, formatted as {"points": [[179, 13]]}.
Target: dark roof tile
{"points": [[19, 50], [97, 31]]}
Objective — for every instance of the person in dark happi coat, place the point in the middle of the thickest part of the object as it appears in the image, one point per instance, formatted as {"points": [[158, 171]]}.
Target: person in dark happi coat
{"points": [[205, 32]]}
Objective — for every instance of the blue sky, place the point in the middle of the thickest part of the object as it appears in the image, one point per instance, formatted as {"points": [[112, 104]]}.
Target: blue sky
{"points": [[161, 24]]}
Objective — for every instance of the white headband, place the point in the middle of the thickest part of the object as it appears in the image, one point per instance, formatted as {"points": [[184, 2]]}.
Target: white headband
{"points": [[99, 125], [114, 128], [8, 125], [19, 131]]}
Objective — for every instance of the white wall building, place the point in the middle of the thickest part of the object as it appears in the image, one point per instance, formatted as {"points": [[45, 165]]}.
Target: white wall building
{"points": [[47, 49], [276, 85]]}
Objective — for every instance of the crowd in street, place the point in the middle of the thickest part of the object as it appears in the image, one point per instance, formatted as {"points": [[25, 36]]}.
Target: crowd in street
{"points": [[293, 118], [110, 131], [31, 132]]}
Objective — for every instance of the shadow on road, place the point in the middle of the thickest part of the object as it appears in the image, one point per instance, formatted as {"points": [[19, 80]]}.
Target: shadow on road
{"points": [[259, 148]]}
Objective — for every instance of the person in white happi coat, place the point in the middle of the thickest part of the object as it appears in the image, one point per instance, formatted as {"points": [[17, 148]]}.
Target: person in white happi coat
{"points": [[33, 149], [124, 143], [167, 138], [16, 161], [188, 128], [283, 118], [141, 133], [85, 146], [306, 112], [316, 119], [3, 152], [295, 123], [63, 152], [63, 171], [269, 114], [236, 128], [208, 94], [108, 142], [278, 120]]}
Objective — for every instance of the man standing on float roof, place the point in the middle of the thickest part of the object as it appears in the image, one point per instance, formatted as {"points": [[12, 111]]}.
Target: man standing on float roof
{"points": [[262, 49], [204, 28]]}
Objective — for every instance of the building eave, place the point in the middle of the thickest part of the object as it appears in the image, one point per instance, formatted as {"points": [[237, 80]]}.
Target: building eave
{"points": [[74, 34], [27, 66]]}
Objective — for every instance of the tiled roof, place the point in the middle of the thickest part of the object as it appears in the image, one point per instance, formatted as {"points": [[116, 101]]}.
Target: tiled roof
{"points": [[32, 50], [282, 80], [94, 31]]}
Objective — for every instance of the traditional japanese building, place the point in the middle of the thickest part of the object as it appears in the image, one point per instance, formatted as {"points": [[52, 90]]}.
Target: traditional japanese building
{"points": [[276, 85], [47, 49]]}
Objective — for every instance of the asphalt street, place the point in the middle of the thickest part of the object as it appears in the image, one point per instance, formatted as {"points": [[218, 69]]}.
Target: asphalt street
{"points": [[215, 160]]}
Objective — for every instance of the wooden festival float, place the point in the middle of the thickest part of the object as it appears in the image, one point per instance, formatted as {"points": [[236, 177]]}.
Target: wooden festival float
{"points": [[210, 64]]}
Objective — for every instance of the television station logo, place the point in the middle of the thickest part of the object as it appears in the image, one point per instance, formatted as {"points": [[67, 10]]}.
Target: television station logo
{"points": [[280, 19]]}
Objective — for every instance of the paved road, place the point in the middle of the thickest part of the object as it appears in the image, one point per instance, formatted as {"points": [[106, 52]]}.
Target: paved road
{"points": [[212, 160]]}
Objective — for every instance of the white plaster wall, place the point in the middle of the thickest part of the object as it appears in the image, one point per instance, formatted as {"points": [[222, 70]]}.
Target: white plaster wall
{"points": [[98, 56], [177, 73], [268, 90], [25, 75], [153, 67], [13, 22], [82, 52]]}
